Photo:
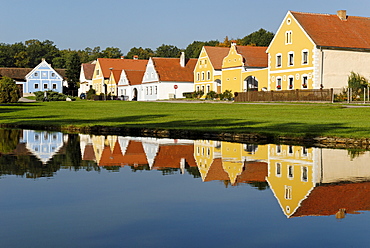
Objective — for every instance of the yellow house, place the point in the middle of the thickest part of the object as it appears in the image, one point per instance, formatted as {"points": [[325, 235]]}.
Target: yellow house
{"points": [[105, 73], [313, 51], [244, 69], [291, 175], [207, 72]]}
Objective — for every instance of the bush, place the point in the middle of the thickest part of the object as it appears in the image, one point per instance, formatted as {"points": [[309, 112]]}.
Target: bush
{"points": [[227, 95], [52, 96], [91, 94], [9, 91], [211, 95], [198, 94]]}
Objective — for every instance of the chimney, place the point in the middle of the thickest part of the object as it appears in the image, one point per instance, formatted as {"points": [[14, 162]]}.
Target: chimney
{"points": [[136, 57], [182, 59], [233, 43], [342, 14]]}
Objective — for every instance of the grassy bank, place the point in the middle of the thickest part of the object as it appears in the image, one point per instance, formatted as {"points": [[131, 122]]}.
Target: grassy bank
{"points": [[268, 119]]}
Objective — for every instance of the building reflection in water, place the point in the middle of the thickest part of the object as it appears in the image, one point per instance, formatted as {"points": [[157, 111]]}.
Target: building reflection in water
{"points": [[306, 181]]}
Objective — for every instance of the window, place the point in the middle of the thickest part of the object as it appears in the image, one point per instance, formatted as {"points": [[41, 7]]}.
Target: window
{"points": [[198, 88], [45, 86], [53, 74], [304, 174], [290, 149], [278, 169], [278, 83], [288, 192], [203, 88], [304, 151], [147, 90], [36, 86], [155, 90], [151, 90], [291, 82], [278, 149], [208, 88], [304, 82], [97, 72], [305, 57], [198, 77], [288, 37], [291, 59], [54, 86], [208, 75], [278, 60], [202, 75], [290, 171], [36, 74]]}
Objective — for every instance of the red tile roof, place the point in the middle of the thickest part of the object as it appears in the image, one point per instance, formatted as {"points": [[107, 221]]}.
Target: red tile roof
{"points": [[328, 199], [330, 31], [169, 69], [253, 172], [89, 153], [116, 75], [253, 56], [121, 64], [216, 55], [216, 171], [88, 70], [169, 156], [134, 77]]}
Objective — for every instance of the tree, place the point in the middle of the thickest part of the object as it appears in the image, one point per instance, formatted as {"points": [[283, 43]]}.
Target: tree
{"points": [[37, 50], [142, 53], [261, 37], [167, 51], [226, 43], [193, 50], [112, 53], [9, 91], [73, 66]]}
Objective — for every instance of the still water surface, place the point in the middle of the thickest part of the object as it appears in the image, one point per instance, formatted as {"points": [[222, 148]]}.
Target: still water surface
{"points": [[60, 190]]}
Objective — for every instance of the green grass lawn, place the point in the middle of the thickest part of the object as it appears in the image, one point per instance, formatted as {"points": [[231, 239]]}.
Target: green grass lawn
{"points": [[270, 119]]}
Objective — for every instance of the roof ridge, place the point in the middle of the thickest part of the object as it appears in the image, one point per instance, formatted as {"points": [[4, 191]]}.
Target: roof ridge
{"points": [[326, 14]]}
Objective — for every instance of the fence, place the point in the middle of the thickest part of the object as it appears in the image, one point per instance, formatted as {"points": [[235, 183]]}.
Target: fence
{"points": [[321, 95]]}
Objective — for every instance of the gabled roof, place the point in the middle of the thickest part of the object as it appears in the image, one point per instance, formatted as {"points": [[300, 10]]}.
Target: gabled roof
{"points": [[216, 55], [19, 74], [88, 70], [330, 31], [253, 172], [134, 77], [328, 199], [46, 64], [253, 56], [121, 64], [116, 75], [169, 69], [216, 171], [169, 156]]}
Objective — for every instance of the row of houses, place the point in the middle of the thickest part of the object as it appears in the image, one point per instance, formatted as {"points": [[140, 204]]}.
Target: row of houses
{"points": [[309, 51]]}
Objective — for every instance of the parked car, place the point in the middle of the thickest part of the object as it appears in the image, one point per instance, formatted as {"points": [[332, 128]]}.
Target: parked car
{"points": [[83, 96]]}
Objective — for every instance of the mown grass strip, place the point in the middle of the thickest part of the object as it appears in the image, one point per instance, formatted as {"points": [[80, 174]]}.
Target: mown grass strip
{"points": [[269, 119]]}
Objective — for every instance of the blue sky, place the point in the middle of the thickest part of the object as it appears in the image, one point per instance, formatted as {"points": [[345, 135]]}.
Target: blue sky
{"points": [[77, 24]]}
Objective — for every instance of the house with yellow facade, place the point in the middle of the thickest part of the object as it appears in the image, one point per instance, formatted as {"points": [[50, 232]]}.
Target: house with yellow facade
{"points": [[313, 51], [208, 70], [107, 73], [244, 69]]}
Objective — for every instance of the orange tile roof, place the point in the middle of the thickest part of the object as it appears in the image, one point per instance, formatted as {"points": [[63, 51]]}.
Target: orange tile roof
{"points": [[216, 55], [330, 31], [116, 75], [134, 77], [88, 70], [253, 172], [121, 64], [109, 158], [328, 199], [216, 171], [169, 156], [135, 154], [253, 56], [169, 69]]}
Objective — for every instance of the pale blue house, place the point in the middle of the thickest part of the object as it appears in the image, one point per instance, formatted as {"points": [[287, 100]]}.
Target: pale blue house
{"points": [[43, 78]]}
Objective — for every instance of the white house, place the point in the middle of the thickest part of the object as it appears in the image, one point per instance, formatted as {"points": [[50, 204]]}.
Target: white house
{"points": [[86, 75], [129, 84], [167, 78]]}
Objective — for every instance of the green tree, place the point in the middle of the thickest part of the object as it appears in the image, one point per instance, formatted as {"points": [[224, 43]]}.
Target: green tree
{"points": [[261, 37], [9, 91], [112, 53], [167, 51], [37, 50], [193, 50], [142, 53], [73, 66]]}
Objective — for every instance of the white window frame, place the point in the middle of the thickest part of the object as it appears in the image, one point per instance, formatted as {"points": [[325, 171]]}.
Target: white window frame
{"points": [[279, 57], [290, 58], [279, 82], [289, 78], [304, 80], [289, 37]]}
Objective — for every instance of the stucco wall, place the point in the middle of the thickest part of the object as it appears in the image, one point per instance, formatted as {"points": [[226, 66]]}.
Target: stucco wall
{"points": [[339, 64]]}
